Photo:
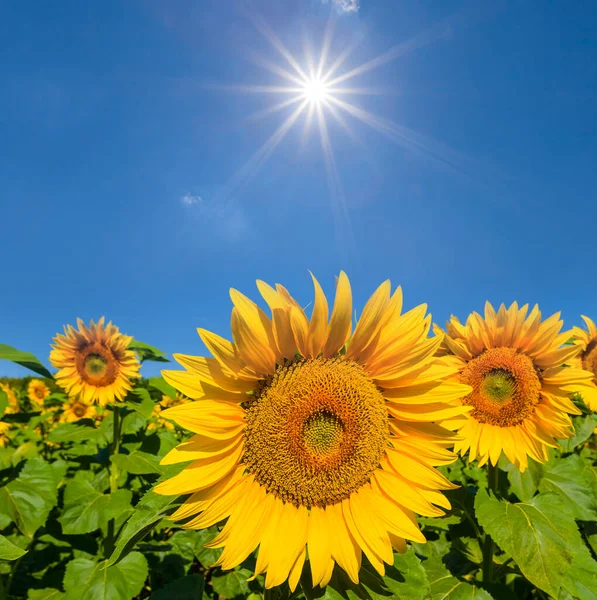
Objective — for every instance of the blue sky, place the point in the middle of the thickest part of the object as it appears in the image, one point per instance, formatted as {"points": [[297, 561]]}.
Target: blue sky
{"points": [[125, 191]]}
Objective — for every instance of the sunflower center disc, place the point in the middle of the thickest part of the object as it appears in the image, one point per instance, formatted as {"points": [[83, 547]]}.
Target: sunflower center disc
{"points": [[316, 431], [80, 410], [97, 365], [505, 385], [39, 393]]}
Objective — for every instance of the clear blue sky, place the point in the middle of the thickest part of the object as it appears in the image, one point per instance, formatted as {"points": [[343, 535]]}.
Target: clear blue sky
{"points": [[119, 162]]}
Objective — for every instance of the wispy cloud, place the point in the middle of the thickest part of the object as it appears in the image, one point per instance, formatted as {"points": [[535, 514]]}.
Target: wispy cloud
{"points": [[189, 199], [347, 6], [225, 219]]}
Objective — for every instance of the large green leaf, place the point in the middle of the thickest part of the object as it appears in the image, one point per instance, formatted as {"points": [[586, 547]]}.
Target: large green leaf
{"points": [[569, 477], [25, 359], [159, 383], [140, 401], [232, 583], [444, 586], [580, 580], [89, 580], [191, 544], [8, 551], [137, 463], [29, 498], [540, 535], [584, 426], [147, 352], [45, 594], [526, 484], [149, 511], [189, 587], [74, 432], [86, 509]]}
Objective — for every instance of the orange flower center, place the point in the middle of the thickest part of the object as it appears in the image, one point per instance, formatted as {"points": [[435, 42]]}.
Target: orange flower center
{"points": [[316, 431], [39, 392], [80, 410], [506, 387], [97, 365], [589, 357]]}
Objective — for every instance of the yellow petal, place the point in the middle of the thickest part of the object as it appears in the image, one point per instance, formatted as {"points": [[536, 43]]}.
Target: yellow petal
{"points": [[341, 322], [318, 326]]}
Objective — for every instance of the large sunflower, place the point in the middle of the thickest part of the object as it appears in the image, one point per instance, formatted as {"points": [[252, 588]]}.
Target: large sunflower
{"points": [[76, 409], [521, 385], [94, 362], [37, 392], [587, 340], [310, 440]]}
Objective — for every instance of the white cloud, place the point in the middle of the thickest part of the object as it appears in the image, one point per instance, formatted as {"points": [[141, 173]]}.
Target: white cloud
{"points": [[347, 6], [189, 199]]}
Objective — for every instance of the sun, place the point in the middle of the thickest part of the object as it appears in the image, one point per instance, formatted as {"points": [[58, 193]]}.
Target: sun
{"points": [[316, 91]]}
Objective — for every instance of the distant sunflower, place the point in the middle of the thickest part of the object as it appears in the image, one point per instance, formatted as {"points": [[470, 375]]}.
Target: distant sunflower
{"points": [[13, 403], [310, 439], [94, 362], [4, 427], [521, 386], [587, 340], [165, 403], [76, 409], [37, 392]]}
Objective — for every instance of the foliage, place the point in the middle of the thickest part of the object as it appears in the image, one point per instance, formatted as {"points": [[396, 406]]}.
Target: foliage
{"points": [[80, 520]]}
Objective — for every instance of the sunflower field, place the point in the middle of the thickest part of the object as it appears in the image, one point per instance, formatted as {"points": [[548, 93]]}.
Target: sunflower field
{"points": [[316, 455]]}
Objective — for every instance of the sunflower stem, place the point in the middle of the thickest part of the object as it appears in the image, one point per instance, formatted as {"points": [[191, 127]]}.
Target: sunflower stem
{"points": [[488, 543], [114, 477]]}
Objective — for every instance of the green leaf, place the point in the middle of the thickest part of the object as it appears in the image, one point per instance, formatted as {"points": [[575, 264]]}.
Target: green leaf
{"points": [[45, 594], [25, 359], [86, 509], [137, 463], [539, 535], [29, 498], [583, 430], [526, 484], [147, 352], [189, 587], [149, 511], [8, 551], [444, 586], [142, 404], [159, 383], [191, 544], [570, 479], [73, 432], [232, 583], [90, 580], [581, 579]]}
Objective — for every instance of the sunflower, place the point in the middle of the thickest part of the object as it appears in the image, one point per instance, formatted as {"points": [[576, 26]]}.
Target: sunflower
{"points": [[37, 392], [4, 427], [521, 385], [587, 340], [76, 409], [13, 403], [308, 439], [94, 362]]}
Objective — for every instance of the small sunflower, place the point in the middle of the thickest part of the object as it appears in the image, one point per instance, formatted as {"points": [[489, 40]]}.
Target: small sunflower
{"points": [[4, 427], [587, 340], [76, 409], [521, 386], [13, 403], [94, 362], [308, 439], [165, 403], [37, 392]]}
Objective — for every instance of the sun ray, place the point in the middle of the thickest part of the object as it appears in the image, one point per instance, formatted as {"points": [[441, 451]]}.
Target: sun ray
{"points": [[325, 48], [255, 89], [273, 109], [264, 63]]}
